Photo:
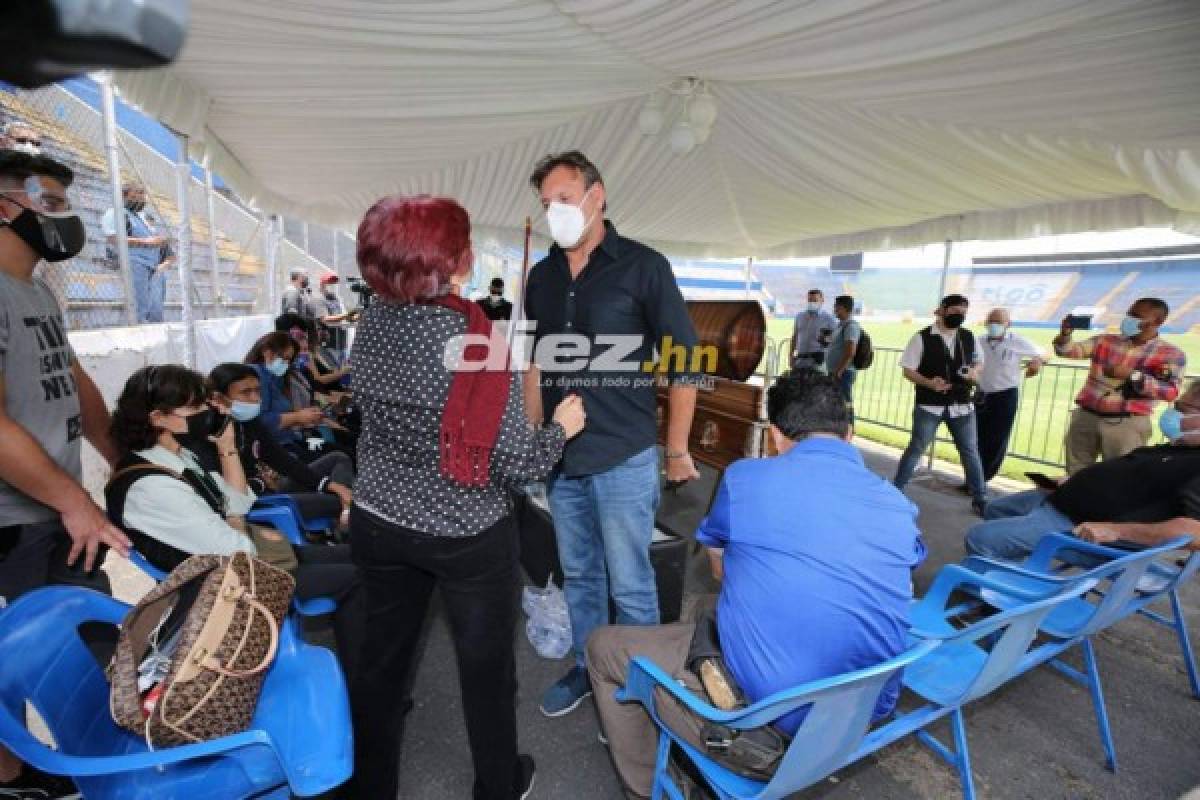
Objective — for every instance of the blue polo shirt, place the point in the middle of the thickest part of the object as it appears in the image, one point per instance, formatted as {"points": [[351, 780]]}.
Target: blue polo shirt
{"points": [[818, 557]]}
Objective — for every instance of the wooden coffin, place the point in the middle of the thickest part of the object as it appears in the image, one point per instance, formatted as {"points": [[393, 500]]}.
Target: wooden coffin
{"points": [[728, 407]]}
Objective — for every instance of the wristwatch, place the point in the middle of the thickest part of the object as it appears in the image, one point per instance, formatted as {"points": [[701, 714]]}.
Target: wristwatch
{"points": [[674, 454]]}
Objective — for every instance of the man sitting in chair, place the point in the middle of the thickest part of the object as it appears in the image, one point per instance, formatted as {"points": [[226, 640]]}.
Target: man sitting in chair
{"points": [[1143, 498], [815, 554]]}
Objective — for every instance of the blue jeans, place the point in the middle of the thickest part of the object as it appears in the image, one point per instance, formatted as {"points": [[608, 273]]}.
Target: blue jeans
{"points": [[604, 524], [962, 430], [149, 290], [1013, 525], [846, 386]]}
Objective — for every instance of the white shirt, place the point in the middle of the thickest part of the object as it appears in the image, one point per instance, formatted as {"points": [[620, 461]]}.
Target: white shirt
{"points": [[170, 511], [108, 223], [911, 359], [1002, 362]]}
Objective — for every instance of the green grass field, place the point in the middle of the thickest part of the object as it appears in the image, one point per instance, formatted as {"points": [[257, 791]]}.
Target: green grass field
{"points": [[881, 394]]}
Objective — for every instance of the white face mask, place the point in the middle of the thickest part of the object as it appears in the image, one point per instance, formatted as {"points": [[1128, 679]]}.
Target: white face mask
{"points": [[28, 147], [567, 223], [814, 306]]}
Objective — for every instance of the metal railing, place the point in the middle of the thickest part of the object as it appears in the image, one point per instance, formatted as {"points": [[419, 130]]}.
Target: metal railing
{"points": [[883, 398]]}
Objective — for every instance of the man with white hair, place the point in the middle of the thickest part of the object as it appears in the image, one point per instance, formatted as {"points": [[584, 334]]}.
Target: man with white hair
{"points": [[150, 254], [1008, 357]]}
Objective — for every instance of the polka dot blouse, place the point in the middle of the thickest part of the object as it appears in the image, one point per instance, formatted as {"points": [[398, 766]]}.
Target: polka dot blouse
{"points": [[401, 384]]}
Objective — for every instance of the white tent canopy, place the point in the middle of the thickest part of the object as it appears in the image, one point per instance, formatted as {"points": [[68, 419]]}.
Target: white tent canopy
{"points": [[841, 125]]}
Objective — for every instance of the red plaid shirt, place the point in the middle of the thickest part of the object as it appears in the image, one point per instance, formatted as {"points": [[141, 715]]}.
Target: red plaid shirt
{"points": [[1161, 364]]}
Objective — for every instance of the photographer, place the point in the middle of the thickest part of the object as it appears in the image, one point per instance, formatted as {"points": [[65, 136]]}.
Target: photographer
{"points": [[943, 361], [1129, 373]]}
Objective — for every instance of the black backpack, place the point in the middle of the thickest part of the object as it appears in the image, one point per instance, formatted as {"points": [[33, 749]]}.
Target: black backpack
{"points": [[864, 353]]}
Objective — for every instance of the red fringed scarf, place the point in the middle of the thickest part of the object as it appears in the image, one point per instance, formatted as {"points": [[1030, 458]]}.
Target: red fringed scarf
{"points": [[475, 405]]}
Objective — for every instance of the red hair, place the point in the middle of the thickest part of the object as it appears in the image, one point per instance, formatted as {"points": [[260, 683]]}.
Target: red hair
{"points": [[409, 247]]}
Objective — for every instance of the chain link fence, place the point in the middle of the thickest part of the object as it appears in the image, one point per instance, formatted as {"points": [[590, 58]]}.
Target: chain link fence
{"points": [[229, 271]]}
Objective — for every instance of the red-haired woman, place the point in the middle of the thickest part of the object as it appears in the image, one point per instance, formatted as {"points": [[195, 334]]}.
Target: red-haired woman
{"points": [[438, 453]]}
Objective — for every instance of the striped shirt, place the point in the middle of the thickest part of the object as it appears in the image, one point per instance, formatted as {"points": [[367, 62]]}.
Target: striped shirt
{"points": [[1160, 363]]}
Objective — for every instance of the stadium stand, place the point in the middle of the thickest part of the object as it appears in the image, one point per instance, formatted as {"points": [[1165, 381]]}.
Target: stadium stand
{"points": [[1038, 294], [91, 290]]}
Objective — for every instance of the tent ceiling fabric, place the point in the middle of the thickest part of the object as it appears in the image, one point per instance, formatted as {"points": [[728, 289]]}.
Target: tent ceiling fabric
{"points": [[841, 125]]}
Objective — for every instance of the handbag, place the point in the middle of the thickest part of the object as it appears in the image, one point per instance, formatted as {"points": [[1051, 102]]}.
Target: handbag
{"points": [[227, 639], [752, 752]]}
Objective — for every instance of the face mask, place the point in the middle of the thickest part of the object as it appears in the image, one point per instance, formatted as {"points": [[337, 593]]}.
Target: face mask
{"points": [[813, 307], [1130, 327], [996, 330], [278, 367], [199, 427], [567, 224], [53, 236], [135, 205], [953, 321], [243, 411], [28, 147]]}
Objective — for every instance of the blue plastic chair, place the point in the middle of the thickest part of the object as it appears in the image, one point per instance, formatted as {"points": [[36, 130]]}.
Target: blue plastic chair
{"points": [[314, 525], [1118, 576], [43, 661], [1165, 579], [835, 730]]}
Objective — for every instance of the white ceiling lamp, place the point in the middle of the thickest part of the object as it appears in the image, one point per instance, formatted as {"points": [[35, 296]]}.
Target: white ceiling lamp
{"points": [[652, 118], [692, 108], [683, 138]]}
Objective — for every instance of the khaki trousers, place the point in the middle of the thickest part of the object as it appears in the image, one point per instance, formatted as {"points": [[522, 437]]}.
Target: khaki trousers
{"points": [[632, 735], [1090, 435]]}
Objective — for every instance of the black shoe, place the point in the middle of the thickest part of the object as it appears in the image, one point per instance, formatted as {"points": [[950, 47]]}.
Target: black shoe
{"points": [[977, 505], [525, 776], [33, 784]]}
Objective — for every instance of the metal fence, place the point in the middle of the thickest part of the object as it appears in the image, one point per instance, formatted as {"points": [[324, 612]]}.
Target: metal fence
{"points": [[229, 274], [884, 398]]}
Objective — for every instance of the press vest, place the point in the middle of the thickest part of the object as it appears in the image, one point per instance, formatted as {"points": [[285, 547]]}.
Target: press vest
{"points": [[938, 362]]}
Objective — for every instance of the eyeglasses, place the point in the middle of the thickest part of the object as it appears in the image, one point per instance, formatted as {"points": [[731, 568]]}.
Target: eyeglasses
{"points": [[40, 197], [27, 140]]}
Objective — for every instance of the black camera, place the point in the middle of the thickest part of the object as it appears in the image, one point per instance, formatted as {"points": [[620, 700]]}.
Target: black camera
{"points": [[364, 292]]}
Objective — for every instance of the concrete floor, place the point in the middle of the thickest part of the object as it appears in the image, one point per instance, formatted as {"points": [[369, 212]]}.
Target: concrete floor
{"points": [[1035, 738]]}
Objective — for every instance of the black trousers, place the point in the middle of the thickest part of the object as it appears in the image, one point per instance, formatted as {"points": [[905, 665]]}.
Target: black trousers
{"points": [[35, 555], [994, 421], [477, 576], [329, 572]]}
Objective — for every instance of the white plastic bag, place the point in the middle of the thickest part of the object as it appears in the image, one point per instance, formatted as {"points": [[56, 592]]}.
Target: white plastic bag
{"points": [[549, 626]]}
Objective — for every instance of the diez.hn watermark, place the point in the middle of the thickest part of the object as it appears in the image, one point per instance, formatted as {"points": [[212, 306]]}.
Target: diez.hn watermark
{"points": [[572, 359]]}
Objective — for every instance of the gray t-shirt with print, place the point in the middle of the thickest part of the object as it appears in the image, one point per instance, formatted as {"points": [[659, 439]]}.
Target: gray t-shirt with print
{"points": [[39, 386]]}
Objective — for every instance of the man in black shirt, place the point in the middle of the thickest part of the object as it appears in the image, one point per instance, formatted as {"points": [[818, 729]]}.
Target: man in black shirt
{"points": [[1146, 497], [494, 305], [599, 297]]}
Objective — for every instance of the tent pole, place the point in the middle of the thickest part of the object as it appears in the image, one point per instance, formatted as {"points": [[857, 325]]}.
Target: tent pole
{"points": [[184, 256], [518, 312], [947, 249], [218, 300], [266, 223], [108, 108]]}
